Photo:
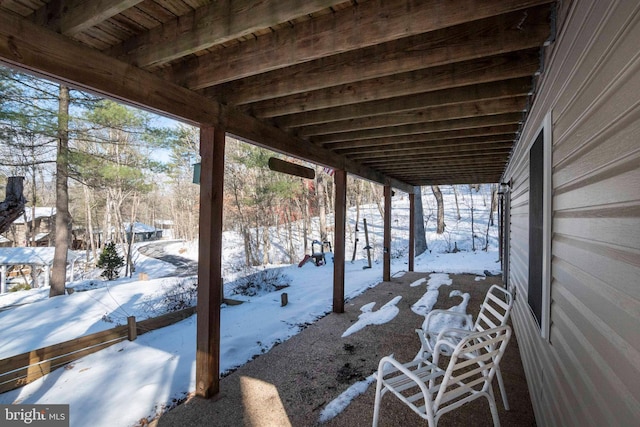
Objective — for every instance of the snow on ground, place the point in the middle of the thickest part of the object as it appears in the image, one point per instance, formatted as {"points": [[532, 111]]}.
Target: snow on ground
{"points": [[159, 367]]}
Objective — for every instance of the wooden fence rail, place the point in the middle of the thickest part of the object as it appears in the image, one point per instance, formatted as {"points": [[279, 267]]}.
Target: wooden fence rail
{"points": [[19, 370]]}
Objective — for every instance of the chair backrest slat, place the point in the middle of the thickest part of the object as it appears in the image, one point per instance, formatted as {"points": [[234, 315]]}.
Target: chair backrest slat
{"points": [[494, 298], [495, 309], [484, 350]]}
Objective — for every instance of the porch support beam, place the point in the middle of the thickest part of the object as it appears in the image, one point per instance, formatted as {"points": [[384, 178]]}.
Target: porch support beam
{"points": [[212, 142], [386, 265], [340, 179], [30, 47], [412, 229]]}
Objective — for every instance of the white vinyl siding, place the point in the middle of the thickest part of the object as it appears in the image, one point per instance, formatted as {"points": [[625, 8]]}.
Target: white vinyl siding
{"points": [[588, 372]]}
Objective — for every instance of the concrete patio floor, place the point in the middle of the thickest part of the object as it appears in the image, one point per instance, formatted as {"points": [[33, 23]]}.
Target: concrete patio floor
{"points": [[292, 383]]}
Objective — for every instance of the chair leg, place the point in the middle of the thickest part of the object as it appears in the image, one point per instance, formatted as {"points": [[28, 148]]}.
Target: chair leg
{"points": [[503, 392], [494, 408], [376, 405]]}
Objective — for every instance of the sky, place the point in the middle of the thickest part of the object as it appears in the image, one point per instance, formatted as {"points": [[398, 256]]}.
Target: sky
{"points": [[159, 367]]}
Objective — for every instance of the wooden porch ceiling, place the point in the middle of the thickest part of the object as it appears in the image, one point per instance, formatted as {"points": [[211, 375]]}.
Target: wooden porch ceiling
{"points": [[397, 91]]}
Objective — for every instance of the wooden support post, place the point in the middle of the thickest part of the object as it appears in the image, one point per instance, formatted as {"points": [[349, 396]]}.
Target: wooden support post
{"points": [[340, 178], [132, 331], [412, 229], [386, 267], [212, 142]]}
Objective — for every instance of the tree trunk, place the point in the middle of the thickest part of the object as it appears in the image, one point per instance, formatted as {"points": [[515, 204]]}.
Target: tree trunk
{"points": [[128, 271], [494, 202], [13, 205], [92, 242], [322, 211], [420, 237], [455, 195], [473, 233], [377, 197], [63, 219], [358, 188], [438, 194]]}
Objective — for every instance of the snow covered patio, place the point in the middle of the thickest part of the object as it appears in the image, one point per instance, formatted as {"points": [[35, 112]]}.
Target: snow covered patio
{"points": [[299, 381]]}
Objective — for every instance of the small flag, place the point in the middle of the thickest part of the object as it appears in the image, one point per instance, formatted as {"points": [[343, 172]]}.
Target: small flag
{"points": [[329, 171]]}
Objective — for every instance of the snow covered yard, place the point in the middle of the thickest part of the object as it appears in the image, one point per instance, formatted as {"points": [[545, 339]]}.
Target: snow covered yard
{"points": [[159, 367]]}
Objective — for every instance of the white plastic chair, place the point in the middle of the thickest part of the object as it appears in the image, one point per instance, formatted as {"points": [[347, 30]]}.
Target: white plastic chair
{"points": [[431, 392], [494, 312]]}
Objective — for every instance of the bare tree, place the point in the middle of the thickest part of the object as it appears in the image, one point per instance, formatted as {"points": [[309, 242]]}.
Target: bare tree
{"points": [[322, 209], [438, 195], [420, 237], [455, 195], [473, 233], [63, 219]]}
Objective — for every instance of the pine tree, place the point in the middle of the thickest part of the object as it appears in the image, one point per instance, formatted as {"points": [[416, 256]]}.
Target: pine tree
{"points": [[110, 261]]}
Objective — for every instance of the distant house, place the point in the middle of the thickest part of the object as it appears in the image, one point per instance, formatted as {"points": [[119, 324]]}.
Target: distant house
{"points": [[36, 227], [142, 232]]}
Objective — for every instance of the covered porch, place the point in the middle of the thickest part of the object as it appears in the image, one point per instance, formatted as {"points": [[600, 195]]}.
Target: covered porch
{"points": [[400, 93], [295, 381]]}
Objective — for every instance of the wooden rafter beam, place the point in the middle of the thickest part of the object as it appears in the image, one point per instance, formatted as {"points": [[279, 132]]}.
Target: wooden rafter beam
{"points": [[440, 169], [73, 17], [432, 114], [379, 162], [494, 90], [416, 141], [373, 144], [477, 141], [38, 50], [210, 25], [457, 179], [432, 153], [496, 35], [459, 161], [451, 170], [346, 30], [434, 164], [478, 71], [473, 126]]}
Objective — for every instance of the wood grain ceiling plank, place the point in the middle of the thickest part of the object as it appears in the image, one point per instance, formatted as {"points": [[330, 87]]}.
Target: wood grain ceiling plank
{"points": [[486, 167], [494, 90], [496, 35], [489, 107], [363, 25], [213, 24], [473, 125], [439, 166], [437, 143], [395, 165], [426, 138], [430, 153], [457, 179], [483, 70], [380, 162], [73, 17]]}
